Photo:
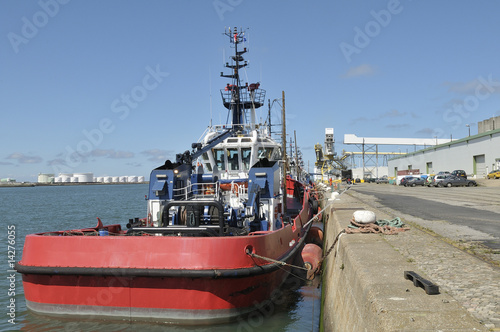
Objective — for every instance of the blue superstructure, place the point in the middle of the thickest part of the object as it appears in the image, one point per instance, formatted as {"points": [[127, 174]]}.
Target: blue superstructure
{"points": [[232, 179]]}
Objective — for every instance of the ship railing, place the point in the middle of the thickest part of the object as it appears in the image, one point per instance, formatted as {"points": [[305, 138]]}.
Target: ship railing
{"points": [[248, 99], [246, 128], [205, 190], [242, 191], [189, 217]]}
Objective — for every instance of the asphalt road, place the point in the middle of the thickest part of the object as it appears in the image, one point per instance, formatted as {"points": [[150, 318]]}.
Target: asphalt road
{"points": [[459, 213]]}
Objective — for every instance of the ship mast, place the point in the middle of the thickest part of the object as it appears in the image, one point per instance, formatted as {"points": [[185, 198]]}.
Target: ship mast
{"points": [[237, 97], [283, 142]]}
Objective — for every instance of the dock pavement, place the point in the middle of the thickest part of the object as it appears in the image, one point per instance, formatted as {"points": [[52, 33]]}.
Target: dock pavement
{"points": [[364, 284]]}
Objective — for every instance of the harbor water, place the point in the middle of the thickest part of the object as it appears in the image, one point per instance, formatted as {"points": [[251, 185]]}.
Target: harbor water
{"points": [[38, 209]]}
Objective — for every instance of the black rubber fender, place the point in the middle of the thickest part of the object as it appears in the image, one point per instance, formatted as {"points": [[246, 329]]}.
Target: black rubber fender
{"points": [[314, 205]]}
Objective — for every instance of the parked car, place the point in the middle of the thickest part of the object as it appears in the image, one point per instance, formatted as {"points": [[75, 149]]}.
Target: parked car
{"points": [[403, 180], [456, 181], [416, 181], [493, 174], [438, 178], [459, 173], [383, 179], [429, 180], [443, 173]]}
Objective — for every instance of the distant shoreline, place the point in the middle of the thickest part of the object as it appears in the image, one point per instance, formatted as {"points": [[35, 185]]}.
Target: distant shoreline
{"points": [[36, 184]]}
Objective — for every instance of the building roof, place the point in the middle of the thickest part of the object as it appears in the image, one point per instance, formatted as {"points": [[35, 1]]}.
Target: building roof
{"points": [[353, 139], [454, 142]]}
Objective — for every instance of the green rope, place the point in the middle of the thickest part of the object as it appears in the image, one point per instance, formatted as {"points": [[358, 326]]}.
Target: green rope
{"points": [[396, 222]]}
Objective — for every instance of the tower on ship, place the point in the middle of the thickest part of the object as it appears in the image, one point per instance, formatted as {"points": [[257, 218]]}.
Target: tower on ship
{"points": [[236, 97]]}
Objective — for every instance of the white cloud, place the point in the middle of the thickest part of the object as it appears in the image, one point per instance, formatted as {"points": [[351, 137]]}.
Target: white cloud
{"points": [[471, 87], [397, 126], [393, 114], [362, 70], [426, 132], [112, 154], [158, 155], [24, 159]]}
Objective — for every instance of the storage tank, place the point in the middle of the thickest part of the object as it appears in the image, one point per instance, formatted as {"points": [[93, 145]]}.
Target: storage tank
{"points": [[65, 177], [73, 179], [45, 178], [107, 179], [84, 177], [123, 179], [132, 179], [115, 179], [140, 179], [57, 179]]}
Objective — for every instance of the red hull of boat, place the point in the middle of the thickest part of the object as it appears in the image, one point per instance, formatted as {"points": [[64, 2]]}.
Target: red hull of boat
{"points": [[179, 300], [161, 278]]}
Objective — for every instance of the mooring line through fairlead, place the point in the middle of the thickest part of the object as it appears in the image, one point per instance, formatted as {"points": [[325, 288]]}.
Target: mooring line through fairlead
{"points": [[274, 260], [305, 225]]}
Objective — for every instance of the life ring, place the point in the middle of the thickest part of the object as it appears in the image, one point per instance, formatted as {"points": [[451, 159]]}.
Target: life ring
{"points": [[225, 186]]}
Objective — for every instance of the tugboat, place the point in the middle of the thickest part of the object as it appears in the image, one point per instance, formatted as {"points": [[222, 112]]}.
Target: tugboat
{"points": [[224, 224]]}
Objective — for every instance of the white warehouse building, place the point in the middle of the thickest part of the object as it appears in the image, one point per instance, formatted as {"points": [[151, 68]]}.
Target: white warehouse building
{"points": [[477, 155]]}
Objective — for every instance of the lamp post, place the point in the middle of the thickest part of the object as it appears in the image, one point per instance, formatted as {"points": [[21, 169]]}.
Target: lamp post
{"points": [[468, 126]]}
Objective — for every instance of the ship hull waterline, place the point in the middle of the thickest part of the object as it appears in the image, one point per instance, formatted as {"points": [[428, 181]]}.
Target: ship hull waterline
{"points": [[196, 301]]}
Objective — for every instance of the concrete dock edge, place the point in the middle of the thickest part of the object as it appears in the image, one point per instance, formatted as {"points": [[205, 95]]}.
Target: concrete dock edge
{"points": [[364, 288]]}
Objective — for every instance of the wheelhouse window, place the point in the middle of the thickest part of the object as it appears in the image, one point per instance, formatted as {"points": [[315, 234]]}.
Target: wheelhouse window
{"points": [[219, 159], [265, 153], [232, 159], [246, 154], [276, 154], [206, 162]]}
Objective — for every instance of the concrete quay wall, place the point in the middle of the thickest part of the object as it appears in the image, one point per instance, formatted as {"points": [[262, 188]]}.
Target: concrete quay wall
{"points": [[364, 288]]}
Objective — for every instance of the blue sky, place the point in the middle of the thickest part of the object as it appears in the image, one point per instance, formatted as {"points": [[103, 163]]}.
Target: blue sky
{"points": [[132, 83]]}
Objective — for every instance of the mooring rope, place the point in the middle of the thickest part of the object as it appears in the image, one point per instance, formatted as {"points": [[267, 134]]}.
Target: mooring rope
{"points": [[305, 225], [292, 274], [332, 246], [281, 264], [274, 261], [324, 208]]}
